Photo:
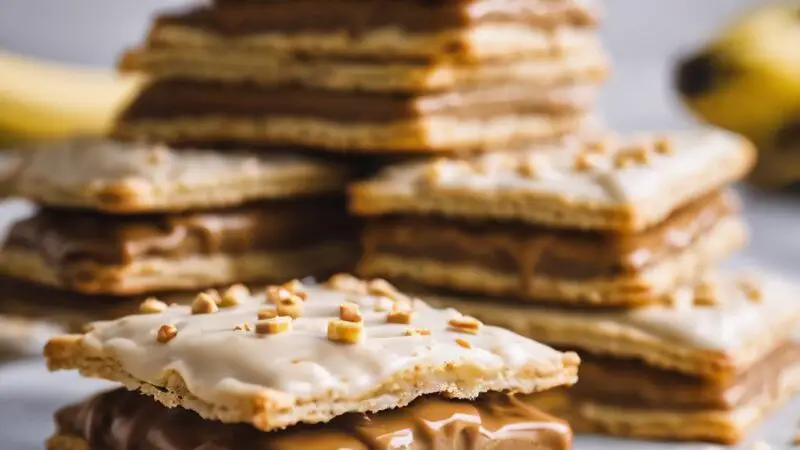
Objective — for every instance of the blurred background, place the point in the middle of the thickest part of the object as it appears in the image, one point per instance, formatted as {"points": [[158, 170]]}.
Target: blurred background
{"points": [[644, 37], [638, 95]]}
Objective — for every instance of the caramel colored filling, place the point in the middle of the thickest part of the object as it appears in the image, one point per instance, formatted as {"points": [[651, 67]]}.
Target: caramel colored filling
{"points": [[123, 419], [65, 236], [173, 98], [634, 384], [237, 18], [535, 251]]}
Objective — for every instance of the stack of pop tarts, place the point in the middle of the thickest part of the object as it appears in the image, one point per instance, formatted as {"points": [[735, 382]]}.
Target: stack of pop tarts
{"points": [[347, 365], [368, 76], [120, 222], [607, 247]]}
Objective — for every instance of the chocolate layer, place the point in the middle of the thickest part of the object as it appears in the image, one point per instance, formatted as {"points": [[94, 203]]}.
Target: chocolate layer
{"points": [[238, 18], [174, 98], [65, 236], [531, 250], [635, 384], [123, 419]]}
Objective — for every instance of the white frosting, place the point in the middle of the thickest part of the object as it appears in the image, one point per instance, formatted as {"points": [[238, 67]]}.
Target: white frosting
{"points": [[86, 165], [218, 362], [729, 325], [693, 154]]}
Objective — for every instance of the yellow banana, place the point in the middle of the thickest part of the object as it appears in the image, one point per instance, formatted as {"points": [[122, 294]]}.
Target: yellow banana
{"points": [[45, 100], [748, 80]]}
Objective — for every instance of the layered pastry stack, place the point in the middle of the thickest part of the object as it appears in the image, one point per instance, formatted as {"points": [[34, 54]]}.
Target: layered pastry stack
{"points": [[120, 222], [602, 246], [349, 364], [368, 76]]}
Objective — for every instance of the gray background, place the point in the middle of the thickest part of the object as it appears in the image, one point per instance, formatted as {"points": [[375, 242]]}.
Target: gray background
{"points": [[643, 36]]}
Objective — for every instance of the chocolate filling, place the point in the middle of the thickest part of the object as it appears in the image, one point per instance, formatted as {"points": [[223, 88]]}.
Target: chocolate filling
{"points": [[238, 18], [531, 250], [122, 419], [173, 98], [65, 236], [634, 384]]}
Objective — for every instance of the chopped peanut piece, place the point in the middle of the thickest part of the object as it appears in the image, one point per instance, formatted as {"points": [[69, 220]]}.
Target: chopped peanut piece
{"points": [[383, 288], [598, 146], [346, 332], [152, 305], [243, 327], [274, 325], [528, 168], [706, 293], [399, 316], [277, 293], [463, 343], [166, 333], [663, 146], [291, 306], [417, 332], [349, 312], [465, 324], [293, 285], [347, 283], [204, 303], [584, 162], [267, 313], [234, 295], [633, 155]]}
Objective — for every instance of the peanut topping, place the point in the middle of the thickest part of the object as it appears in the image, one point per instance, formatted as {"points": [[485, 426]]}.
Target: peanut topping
{"points": [[347, 283], [417, 332], [243, 327], [204, 303], [663, 146], [463, 343], [751, 289], [706, 293], [152, 305], [346, 332], [349, 312], [274, 325], [584, 162], [399, 316], [267, 313], [633, 155], [291, 306], [527, 168], [234, 295], [277, 293], [295, 287], [383, 288], [166, 333], [465, 324], [598, 146]]}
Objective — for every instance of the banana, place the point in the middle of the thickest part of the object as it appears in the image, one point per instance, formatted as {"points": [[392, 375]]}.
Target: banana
{"points": [[747, 80], [44, 100]]}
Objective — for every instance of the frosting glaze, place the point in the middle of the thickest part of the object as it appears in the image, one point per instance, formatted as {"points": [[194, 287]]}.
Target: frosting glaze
{"points": [[693, 153], [580, 182], [220, 362], [119, 173], [726, 319], [126, 420]]}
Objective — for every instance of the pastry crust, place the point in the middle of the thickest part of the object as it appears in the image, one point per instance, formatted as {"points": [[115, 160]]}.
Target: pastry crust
{"points": [[618, 184], [211, 364], [119, 177]]}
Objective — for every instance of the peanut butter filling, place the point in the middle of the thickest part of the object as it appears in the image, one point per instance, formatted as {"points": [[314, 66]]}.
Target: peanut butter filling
{"points": [[123, 419], [635, 384], [237, 18], [530, 250], [172, 98], [62, 237]]}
